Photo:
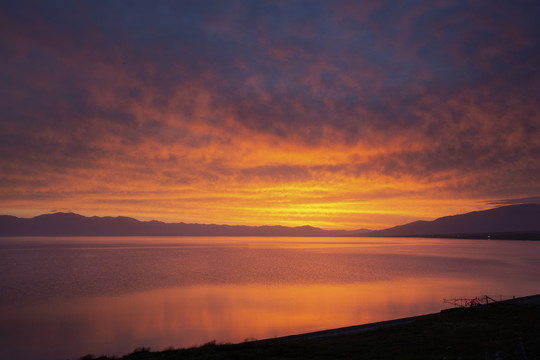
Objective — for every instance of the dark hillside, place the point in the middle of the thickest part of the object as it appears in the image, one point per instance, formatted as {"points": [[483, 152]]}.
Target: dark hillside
{"points": [[506, 219], [69, 224]]}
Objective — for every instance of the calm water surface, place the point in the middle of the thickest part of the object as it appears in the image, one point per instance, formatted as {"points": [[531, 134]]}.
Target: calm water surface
{"points": [[63, 298]]}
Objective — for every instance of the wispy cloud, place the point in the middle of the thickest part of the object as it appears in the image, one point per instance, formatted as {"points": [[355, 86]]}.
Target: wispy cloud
{"points": [[527, 200]]}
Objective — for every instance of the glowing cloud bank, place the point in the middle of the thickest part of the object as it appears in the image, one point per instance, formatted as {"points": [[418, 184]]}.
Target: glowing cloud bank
{"points": [[338, 114]]}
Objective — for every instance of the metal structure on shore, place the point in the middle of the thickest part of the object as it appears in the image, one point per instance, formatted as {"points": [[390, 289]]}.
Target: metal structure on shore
{"points": [[467, 302]]}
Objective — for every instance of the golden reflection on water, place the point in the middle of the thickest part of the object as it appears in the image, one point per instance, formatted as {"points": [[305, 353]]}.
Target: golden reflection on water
{"points": [[71, 297], [192, 315]]}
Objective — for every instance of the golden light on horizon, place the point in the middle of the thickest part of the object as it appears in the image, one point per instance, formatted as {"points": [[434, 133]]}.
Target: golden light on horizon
{"points": [[311, 129]]}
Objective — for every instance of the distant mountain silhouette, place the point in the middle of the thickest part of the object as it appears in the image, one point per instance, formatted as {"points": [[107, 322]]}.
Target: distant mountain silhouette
{"points": [[512, 222], [502, 222], [69, 224]]}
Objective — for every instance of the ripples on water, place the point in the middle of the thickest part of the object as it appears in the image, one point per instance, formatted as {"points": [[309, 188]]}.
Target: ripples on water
{"points": [[66, 297]]}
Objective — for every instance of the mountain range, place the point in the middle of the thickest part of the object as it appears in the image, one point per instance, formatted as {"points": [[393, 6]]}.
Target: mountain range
{"points": [[513, 222], [520, 221], [70, 224]]}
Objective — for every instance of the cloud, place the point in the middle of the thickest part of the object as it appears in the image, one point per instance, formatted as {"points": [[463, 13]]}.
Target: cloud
{"points": [[527, 200], [439, 98]]}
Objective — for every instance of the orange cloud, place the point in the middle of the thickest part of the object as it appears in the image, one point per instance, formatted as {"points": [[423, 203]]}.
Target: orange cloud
{"points": [[340, 116]]}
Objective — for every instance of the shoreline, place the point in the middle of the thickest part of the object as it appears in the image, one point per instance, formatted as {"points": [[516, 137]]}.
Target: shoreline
{"points": [[361, 328], [353, 329], [509, 327]]}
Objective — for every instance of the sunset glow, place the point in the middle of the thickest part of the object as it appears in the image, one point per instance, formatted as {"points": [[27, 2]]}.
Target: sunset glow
{"points": [[336, 114]]}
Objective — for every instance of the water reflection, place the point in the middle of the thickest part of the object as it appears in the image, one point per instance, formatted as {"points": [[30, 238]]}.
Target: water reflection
{"points": [[64, 298], [185, 316]]}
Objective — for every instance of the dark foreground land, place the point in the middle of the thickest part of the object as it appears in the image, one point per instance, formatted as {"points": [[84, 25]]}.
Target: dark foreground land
{"points": [[508, 330]]}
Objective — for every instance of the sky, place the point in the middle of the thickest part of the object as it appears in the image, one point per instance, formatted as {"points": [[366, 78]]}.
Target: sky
{"points": [[336, 114]]}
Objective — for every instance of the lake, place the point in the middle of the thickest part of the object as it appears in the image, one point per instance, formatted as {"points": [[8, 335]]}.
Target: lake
{"points": [[67, 297]]}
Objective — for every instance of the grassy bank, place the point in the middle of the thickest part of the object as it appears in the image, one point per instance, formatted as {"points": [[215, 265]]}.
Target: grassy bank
{"points": [[497, 331]]}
